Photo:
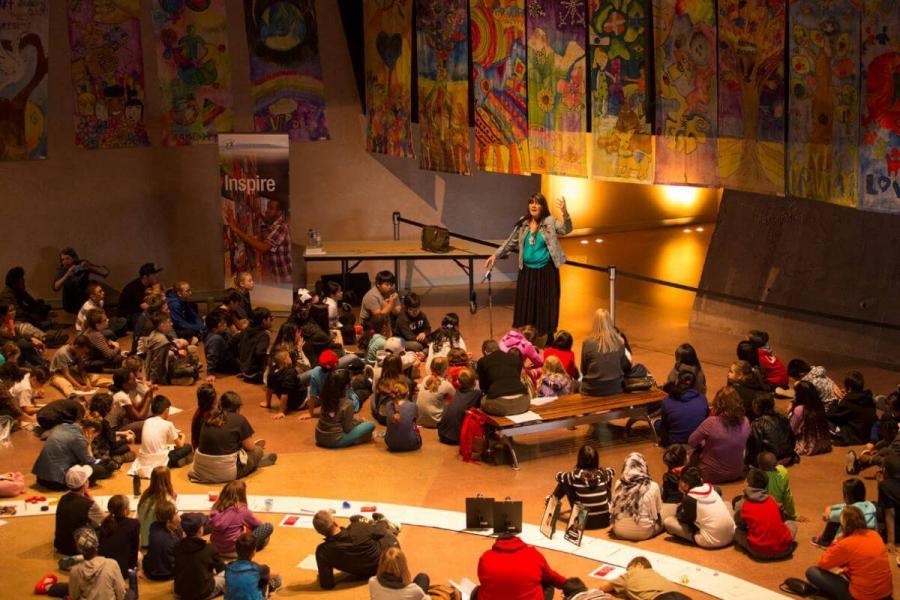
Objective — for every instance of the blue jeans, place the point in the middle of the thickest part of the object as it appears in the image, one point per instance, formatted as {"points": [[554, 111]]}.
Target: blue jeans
{"points": [[830, 585], [356, 435]]}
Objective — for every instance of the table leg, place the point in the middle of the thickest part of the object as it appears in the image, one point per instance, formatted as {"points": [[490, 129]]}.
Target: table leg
{"points": [[397, 271], [473, 304], [344, 274]]}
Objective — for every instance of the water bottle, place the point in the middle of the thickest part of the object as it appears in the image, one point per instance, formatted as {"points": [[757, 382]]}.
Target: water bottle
{"points": [[136, 486], [311, 238]]}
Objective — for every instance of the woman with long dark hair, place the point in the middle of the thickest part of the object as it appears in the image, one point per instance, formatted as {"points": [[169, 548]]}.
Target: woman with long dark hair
{"points": [[808, 421], [535, 236], [718, 444]]}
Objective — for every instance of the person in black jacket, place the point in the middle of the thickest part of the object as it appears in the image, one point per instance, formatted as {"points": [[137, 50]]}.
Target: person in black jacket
{"points": [[199, 571], [499, 375], [412, 324], [165, 532], [749, 385], [253, 347], [120, 535], [354, 549], [770, 432], [854, 415]]}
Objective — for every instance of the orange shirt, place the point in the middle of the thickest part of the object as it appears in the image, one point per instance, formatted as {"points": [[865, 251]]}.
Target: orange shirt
{"points": [[864, 559]]}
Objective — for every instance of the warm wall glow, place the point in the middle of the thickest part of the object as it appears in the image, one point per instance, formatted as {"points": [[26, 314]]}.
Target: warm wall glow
{"points": [[680, 195], [576, 191]]}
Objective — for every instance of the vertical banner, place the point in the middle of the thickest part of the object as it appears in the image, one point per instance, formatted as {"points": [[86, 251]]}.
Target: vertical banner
{"points": [[751, 95], [256, 212], [620, 119], [287, 88], [107, 74], [442, 59], [557, 102], [497, 33], [194, 70], [879, 151], [24, 33], [823, 125], [685, 49], [388, 55]]}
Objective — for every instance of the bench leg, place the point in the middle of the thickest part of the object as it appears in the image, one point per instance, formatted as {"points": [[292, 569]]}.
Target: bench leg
{"points": [[644, 416], [508, 442]]}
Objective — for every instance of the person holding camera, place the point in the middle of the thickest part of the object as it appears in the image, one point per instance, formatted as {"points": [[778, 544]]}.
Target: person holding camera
{"points": [[73, 277]]}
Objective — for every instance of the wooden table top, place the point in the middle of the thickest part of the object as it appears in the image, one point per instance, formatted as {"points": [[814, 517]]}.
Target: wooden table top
{"points": [[401, 249]]}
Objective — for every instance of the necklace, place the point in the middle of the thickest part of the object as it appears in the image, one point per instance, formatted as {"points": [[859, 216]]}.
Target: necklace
{"points": [[532, 237]]}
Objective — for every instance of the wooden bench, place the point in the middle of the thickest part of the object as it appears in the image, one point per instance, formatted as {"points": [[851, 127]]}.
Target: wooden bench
{"points": [[576, 409]]}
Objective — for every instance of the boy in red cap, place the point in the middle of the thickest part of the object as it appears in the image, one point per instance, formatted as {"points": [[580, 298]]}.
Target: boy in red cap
{"points": [[328, 362]]}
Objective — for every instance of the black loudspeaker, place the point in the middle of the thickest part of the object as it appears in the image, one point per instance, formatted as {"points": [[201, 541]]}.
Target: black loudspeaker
{"points": [[357, 286], [479, 512], [508, 516]]}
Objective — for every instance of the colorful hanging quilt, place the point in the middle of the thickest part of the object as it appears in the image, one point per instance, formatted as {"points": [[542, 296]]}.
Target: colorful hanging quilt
{"points": [[497, 32], [388, 52], [287, 89], [622, 132], [443, 66], [879, 151], [751, 95], [823, 125], [557, 103], [194, 70], [24, 33], [685, 46], [107, 73]]}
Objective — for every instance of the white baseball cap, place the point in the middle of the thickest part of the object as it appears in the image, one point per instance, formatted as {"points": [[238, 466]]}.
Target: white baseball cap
{"points": [[77, 476], [303, 295]]}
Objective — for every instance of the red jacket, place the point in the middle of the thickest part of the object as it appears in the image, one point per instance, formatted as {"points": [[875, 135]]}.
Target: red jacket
{"points": [[773, 369], [566, 357], [513, 570], [766, 532]]}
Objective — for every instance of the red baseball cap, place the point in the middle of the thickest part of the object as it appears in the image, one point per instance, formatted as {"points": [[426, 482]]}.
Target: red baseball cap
{"points": [[328, 359]]}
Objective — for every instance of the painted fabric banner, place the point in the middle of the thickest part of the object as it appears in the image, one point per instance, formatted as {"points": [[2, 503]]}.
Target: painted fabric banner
{"points": [[557, 102], [442, 59], [287, 88], [388, 52], [194, 70], [256, 212], [823, 126], [107, 74], [497, 32], [685, 48], [879, 150], [24, 33], [622, 132], [751, 95]]}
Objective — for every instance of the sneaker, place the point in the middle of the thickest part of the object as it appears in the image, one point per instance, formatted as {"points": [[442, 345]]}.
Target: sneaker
{"points": [[45, 583], [852, 465], [260, 442], [66, 563], [275, 584], [815, 542]]}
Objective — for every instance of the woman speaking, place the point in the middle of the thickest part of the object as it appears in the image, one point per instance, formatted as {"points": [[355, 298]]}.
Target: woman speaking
{"points": [[535, 236]]}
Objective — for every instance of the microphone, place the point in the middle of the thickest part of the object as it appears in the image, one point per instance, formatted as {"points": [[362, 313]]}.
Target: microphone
{"points": [[487, 274], [521, 220]]}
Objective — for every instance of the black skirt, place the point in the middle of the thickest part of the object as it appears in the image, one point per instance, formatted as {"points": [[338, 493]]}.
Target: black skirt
{"points": [[537, 299]]}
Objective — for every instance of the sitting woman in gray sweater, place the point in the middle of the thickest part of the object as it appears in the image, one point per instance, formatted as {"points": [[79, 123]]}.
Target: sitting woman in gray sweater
{"points": [[602, 358]]}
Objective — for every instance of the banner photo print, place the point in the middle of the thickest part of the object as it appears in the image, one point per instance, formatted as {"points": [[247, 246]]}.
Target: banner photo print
{"points": [[823, 125], [107, 74], [557, 79], [497, 32], [287, 88], [256, 212], [24, 33], [622, 130], [879, 151], [443, 66], [194, 70], [388, 55]]}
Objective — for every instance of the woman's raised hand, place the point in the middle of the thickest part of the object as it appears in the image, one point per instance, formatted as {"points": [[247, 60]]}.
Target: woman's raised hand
{"points": [[561, 203]]}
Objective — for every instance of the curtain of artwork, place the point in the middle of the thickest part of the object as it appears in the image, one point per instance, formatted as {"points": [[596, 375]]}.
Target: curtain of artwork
{"points": [[497, 32], [751, 95], [107, 74], [194, 70], [388, 52], [287, 89], [557, 108], [24, 32], [823, 123], [879, 150], [622, 132], [443, 66], [685, 46]]}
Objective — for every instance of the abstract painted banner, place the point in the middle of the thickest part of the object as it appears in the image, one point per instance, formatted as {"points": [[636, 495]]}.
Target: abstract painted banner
{"points": [[879, 151], [107, 74], [388, 52], [194, 70], [685, 47], [256, 213], [622, 132], [557, 102], [497, 32], [287, 89], [442, 59], [823, 125], [24, 33], [751, 95]]}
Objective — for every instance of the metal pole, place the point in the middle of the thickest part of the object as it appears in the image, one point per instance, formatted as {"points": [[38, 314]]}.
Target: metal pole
{"points": [[612, 293], [396, 218]]}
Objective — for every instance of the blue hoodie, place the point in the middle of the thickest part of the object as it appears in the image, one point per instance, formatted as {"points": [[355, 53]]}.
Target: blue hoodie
{"points": [[242, 581], [682, 416], [185, 315]]}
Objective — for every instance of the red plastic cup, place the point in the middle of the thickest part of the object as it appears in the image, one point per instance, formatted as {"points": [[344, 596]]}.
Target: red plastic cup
{"points": [[213, 496], [358, 329]]}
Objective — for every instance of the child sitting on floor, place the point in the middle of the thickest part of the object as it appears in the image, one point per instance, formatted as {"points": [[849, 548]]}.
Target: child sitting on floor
{"points": [[853, 416], [283, 382], [198, 567], [779, 487], [245, 579], [159, 560], [412, 323], [26, 387], [402, 433], [465, 398], [458, 359], [561, 347], [854, 491], [675, 457], [445, 339], [761, 531], [773, 370], [156, 436], [522, 339], [436, 393], [888, 444], [230, 517], [554, 379]]}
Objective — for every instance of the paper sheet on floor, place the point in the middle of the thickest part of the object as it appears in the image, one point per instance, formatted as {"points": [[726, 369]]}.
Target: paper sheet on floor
{"points": [[298, 521], [465, 587], [174, 410], [308, 563], [525, 417]]}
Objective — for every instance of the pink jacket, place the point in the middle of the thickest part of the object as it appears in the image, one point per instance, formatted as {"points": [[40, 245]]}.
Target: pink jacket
{"points": [[514, 339]]}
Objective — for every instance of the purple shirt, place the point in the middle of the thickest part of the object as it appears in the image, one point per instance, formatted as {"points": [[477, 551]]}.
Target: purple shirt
{"points": [[721, 449], [228, 525]]}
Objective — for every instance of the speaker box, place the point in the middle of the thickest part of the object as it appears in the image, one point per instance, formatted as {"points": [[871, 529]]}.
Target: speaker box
{"points": [[357, 286]]}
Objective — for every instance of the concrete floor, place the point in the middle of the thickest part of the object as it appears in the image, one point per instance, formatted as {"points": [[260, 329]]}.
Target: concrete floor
{"points": [[655, 322]]}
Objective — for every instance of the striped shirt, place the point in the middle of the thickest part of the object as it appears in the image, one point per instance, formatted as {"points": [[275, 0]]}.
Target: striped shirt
{"points": [[591, 487]]}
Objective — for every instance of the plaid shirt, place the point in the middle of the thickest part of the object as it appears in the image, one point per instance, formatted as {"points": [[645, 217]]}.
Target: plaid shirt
{"points": [[278, 261]]}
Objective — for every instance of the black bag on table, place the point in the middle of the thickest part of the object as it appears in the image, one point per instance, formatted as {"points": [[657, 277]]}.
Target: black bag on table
{"points": [[435, 238]]}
